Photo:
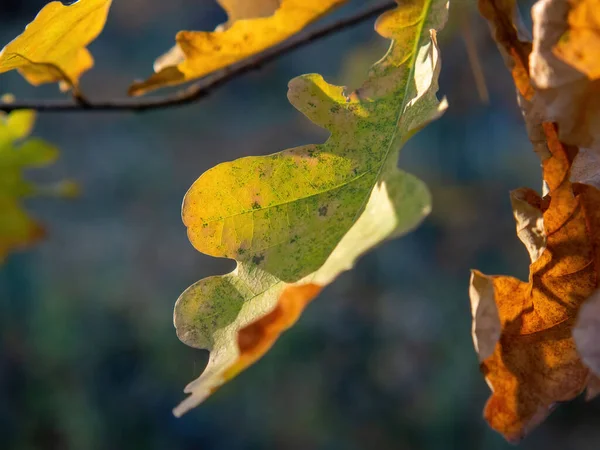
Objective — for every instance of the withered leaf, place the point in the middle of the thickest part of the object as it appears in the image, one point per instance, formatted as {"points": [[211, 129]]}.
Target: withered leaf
{"points": [[535, 362]]}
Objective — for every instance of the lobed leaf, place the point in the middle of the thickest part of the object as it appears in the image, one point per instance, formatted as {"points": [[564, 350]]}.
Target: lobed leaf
{"points": [[296, 219], [535, 362], [53, 46], [252, 28]]}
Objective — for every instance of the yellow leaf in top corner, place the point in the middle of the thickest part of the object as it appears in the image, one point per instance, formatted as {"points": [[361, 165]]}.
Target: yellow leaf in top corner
{"points": [[252, 28], [52, 48]]}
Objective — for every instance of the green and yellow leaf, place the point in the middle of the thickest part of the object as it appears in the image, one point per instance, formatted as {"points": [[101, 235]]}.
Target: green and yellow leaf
{"points": [[18, 153], [296, 219], [252, 28], [53, 46]]}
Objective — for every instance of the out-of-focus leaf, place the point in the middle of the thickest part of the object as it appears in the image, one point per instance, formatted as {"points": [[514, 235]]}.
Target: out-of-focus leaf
{"points": [[17, 229], [53, 46], [564, 94], [199, 53], [296, 219], [585, 168], [535, 362], [579, 46]]}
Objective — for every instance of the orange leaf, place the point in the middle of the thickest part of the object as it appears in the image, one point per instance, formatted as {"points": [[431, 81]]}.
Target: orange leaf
{"points": [[257, 338], [535, 362]]}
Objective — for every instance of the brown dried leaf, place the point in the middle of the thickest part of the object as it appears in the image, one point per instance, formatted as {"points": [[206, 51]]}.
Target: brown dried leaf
{"points": [[536, 363]]}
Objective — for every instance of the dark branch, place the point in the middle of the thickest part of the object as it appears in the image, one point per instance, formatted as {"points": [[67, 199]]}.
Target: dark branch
{"points": [[208, 84]]}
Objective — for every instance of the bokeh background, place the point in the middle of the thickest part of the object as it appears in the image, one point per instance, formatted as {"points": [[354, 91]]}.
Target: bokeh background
{"points": [[382, 360]]}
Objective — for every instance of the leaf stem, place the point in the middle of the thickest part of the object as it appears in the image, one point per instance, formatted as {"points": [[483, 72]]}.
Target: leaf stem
{"points": [[208, 84]]}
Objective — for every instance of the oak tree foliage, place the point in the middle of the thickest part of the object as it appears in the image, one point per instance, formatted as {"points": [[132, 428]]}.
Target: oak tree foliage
{"points": [[297, 218]]}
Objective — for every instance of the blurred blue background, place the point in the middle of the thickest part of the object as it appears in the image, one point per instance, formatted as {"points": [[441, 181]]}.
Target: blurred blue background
{"points": [[382, 360]]}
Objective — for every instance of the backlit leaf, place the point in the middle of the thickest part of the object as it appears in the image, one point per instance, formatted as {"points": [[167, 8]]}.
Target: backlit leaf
{"points": [[535, 362], [53, 46], [296, 219], [17, 229], [199, 53]]}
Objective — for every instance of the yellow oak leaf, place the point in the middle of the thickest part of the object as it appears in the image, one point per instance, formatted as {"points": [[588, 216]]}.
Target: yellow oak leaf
{"points": [[199, 53], [534, 362], [296, 219], [53, 46]]}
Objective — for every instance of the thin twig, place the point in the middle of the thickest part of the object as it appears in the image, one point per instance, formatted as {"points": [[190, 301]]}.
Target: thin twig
{"points": [[208, 84], [474, 61]]}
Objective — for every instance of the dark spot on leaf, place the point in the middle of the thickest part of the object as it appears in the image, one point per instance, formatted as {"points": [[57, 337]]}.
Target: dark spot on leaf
{"points": [[323, 210], [258, 259], [255, 205]]}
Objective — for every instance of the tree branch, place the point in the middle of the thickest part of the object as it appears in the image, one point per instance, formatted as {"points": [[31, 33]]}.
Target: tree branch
{"points": [[207, 84]]}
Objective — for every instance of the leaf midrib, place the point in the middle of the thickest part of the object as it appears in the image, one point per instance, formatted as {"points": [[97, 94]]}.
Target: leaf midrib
{"points": [[426, 8], [422, 20]]}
